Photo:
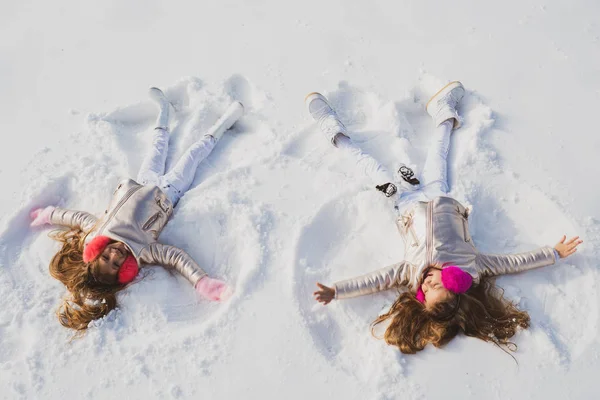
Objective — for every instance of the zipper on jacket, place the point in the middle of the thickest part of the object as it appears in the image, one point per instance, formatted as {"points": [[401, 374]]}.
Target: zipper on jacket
{"points": [[465, 230], [162, 205], [150, 221], [125, 197]]}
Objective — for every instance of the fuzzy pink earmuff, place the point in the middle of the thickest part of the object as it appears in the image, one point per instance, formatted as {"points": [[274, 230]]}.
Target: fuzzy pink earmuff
{"points": [[94, 248], [456, 280], [128, 270], [420, 295]]}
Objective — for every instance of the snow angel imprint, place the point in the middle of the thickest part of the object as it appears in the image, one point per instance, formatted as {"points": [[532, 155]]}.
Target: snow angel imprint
{"points": [[448, 279], [101, 256]]}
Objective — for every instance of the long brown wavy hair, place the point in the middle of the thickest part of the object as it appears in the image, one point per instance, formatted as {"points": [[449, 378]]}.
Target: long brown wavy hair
{"points": [[481, 312], [89, 299]]}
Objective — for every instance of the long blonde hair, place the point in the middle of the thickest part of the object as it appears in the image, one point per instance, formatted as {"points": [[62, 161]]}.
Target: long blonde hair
{"points": [[481, 312], [89, 299]]}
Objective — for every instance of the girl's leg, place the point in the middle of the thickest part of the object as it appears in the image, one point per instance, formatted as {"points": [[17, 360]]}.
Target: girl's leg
{"points": [[335, 132], [435, 172], [365, 163], [442, 108], [153, 165], [177, 181]]}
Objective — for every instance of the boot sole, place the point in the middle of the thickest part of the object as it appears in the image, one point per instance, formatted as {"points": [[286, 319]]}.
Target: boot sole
{"points": [[157, 95], [308, 98], [314, 95], [317, 94], [449, 87]]}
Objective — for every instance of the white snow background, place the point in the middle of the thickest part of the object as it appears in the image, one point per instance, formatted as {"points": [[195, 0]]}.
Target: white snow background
{"points": [[275, 208]]}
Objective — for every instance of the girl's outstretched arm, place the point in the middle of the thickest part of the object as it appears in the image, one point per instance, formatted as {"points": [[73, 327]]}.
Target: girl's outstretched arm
{"points": [[500, 264], [373, 282], [60, 216], [174, 257]]}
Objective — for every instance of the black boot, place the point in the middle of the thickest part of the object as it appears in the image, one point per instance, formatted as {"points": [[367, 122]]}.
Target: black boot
{"points": [[408, 175], [389, 189]]}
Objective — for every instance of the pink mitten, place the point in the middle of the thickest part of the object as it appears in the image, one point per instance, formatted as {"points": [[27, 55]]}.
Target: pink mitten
{"points": [[41, 216], [213, 289]]}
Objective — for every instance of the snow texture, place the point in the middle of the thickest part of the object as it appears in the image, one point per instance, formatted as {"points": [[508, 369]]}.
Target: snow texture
{"points": [[275, 208]]}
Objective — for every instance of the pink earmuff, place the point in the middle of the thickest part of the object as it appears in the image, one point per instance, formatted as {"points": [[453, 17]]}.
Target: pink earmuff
{"points": [[128, 270], [96, 246], [456, 280], [420, 295]]}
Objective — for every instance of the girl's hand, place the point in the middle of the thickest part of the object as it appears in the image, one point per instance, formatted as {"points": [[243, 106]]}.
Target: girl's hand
{"points": [[325, 294], [41, 216], [568, 248], [213, 289]]}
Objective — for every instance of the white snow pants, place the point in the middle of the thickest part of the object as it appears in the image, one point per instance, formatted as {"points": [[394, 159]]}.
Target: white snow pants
{"points": [[365, 163], [434, 179], [177, 181], [435, 172]]}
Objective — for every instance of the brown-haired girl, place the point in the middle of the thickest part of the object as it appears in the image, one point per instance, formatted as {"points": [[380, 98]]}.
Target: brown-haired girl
{"points": [[448, 280], [100, 256]]}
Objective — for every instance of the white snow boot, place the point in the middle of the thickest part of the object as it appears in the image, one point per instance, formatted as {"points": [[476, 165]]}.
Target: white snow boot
{"points": [[329, 122], [157, 95], [232, 114], [442, 106]]}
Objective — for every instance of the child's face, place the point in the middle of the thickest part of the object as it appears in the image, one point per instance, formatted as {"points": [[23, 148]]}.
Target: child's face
{"points": [[110, 262], [433, 288]]}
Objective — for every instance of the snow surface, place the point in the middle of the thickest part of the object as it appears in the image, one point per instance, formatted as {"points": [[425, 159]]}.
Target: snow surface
{"points": [[275, 207]]}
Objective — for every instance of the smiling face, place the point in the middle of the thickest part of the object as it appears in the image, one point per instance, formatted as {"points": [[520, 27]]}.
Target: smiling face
{"points": [[109, 263], [434, 290]]}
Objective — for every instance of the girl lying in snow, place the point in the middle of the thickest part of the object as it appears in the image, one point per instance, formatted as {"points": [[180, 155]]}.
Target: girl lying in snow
{"points": [[448, 280], [100, 256]]}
